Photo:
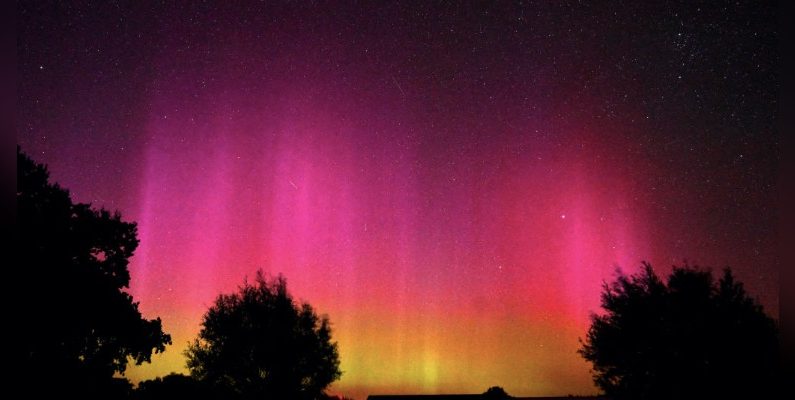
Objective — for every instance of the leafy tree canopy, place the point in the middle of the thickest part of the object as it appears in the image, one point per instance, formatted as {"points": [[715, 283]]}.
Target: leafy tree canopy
{"points": [[80, 324], [259, 342], [690, 337]]}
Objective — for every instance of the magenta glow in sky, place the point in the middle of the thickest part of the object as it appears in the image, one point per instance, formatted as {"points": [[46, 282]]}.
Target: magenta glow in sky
{"points": [[450, 184]]}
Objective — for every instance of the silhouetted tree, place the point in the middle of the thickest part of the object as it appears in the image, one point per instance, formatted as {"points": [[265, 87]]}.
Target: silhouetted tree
{"points": [[177, 386], [80, 326], [258, 342], [495, 393], [687, 338]]}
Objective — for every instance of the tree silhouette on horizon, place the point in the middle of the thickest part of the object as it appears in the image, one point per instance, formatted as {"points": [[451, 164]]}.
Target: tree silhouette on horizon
{"points": [[260, 343], [80, 326], [690, 337], [176, 386], [495, 393]]}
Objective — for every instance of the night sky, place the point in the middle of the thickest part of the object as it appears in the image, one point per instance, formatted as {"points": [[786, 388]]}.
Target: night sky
{"points": [[450, 183]]}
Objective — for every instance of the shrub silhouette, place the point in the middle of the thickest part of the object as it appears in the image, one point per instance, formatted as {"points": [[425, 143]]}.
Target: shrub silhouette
{"points": [[495, 393], [176, 386], [688, 338], [80, 326], [258, 343]]}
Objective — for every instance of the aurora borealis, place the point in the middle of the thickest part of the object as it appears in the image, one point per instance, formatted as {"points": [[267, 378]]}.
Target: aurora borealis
{"points": [[450, 183]]}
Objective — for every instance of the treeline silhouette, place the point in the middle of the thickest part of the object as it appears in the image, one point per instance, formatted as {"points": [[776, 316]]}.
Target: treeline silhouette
{"points": [[82, 328], [689, 337]]}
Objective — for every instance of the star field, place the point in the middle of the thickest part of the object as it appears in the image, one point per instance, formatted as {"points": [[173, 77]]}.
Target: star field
{"points": [[451, 183]]}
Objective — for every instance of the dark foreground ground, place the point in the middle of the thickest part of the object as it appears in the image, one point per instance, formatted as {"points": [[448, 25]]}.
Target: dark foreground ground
{"points": [[472, 397]]}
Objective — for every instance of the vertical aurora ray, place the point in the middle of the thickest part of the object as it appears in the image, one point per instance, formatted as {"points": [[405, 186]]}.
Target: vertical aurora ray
{"points": [[450, 185], [450, 275]]}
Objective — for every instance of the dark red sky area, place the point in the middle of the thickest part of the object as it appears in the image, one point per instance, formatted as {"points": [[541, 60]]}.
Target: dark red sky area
{"points": [[450, 183]]}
